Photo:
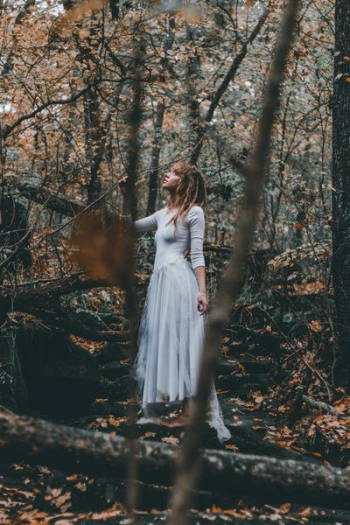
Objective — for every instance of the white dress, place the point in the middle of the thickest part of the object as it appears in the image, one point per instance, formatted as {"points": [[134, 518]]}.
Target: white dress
{"points": [[171, 332]]}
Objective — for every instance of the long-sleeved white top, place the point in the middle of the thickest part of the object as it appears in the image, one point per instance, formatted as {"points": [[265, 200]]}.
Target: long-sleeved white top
{"points": [[189, 234]]}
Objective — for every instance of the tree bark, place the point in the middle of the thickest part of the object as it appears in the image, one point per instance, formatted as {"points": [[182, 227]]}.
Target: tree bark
{"points": [[56, 202], [97, 453], [24, 299], [154, 171], [341, 182], [114, 7]]}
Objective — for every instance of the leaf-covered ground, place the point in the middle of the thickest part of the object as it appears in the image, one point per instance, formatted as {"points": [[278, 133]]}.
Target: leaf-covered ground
{"points": [[265, 413]]}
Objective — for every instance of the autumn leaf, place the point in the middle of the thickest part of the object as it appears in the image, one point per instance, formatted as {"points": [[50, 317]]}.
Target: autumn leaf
{"points": [[72, 477], [282, 443], [84, 33], [316, 326], [230, 512], [116, 422], [225, 350], [171, 440], [81, 486], [106, 514], [249, 4], [63, 502], [232, 447], [305, 512], [83, 8], [309, 288], [215, 509]]}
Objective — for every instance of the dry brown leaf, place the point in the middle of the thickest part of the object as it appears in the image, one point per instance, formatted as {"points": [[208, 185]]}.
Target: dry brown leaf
{"points": [[285, 508], [316, 326], [81, 486], [232, 447], [105, 515], [249, 4], [64, 499], [171, 440]]}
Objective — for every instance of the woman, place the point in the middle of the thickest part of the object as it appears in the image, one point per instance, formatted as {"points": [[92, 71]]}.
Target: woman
{"points": [[171, 333]]}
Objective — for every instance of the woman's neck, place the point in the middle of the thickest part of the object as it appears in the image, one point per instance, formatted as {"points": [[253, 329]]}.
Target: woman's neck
{"points": [[171, 205]]}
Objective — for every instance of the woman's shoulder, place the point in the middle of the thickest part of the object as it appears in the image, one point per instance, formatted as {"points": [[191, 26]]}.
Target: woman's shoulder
{"points": [[196, 211], [195, 215], [160, 211]]}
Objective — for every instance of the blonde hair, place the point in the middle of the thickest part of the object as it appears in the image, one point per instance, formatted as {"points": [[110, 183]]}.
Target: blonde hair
{"points": [[191, 190]]}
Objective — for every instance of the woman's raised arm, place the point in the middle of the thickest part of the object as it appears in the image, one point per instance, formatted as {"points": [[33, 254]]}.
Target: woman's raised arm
{"points": [[147, 224]]}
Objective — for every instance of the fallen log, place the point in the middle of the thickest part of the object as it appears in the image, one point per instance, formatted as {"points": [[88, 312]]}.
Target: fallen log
{"points": [[320, 405], [236, 517], [302, 399], [67, 321], [55, 201], [97, 453], [117, 389], [24, 297]]}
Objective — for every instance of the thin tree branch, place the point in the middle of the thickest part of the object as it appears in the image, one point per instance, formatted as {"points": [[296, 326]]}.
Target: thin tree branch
{"points": [[224, 85], [8, 130]]}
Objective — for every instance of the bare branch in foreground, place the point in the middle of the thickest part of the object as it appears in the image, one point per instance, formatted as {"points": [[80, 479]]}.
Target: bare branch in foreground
{"points": [[188, 461]]}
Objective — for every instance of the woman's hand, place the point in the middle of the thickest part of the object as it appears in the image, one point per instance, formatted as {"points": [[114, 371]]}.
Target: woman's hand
{"points": [[124, 186], [202, 303]]}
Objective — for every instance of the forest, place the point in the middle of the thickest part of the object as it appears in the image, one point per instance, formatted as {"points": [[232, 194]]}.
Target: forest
{"points": [[256, 94]]}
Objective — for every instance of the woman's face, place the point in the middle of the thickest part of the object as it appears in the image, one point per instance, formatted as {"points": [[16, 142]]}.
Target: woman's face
{"points": [[171, 179]]}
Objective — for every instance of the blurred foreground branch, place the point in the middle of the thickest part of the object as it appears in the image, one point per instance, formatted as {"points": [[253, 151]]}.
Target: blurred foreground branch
{"points": [[189, 457]]}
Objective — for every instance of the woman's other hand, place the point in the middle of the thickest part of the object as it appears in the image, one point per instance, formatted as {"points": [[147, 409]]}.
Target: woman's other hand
{"points": [[202, 303], [124, 186]]}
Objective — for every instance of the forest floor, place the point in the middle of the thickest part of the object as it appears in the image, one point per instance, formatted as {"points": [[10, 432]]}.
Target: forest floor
{"points": [[265, 416]]}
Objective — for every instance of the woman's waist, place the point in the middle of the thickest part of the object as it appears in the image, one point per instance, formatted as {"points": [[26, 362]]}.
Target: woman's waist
{"points": [[170, 259]]}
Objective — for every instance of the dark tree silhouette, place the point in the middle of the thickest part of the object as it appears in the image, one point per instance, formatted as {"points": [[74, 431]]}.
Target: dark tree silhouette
{"points": [[341, 181]]}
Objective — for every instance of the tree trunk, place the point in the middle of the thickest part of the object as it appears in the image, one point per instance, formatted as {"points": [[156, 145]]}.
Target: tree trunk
{"points": [[97, 453], [13, 392], [114, 7], [341, 184], [154, 171]]}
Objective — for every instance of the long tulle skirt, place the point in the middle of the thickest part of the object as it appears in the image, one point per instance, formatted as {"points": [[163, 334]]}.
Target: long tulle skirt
{"points": [[170, 343]]}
